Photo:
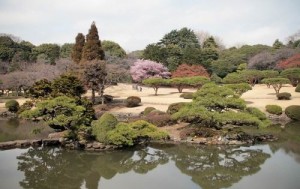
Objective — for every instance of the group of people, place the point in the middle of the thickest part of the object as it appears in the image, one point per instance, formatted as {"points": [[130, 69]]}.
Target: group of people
{"points": [[136, 87]]}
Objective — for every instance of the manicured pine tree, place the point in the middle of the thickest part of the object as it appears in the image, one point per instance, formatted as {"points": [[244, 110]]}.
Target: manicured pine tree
{"points": [[78, 47], [92, 49]]}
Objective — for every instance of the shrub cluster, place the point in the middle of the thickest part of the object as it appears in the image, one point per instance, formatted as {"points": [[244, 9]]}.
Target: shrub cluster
{"points": [[187, 95], [26, 106], [173, 108], [159, 118], [133, 101], [297, 89], [293, 112], [101, 126], [129, 134], [274, 109], [284, 96], [12, 106], [148, 110]]}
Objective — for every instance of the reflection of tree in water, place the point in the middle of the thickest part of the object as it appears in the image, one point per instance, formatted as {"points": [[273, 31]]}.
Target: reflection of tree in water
{"points": [[56, 168], [215, 166], [289, 140]]}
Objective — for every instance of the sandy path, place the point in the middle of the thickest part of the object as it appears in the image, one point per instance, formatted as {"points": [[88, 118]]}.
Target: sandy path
{"points": [[261, 95]]}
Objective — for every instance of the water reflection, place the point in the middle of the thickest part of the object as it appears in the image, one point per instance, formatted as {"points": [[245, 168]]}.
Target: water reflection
{"points": [[213, 167], [217, 166], [16, 129]]}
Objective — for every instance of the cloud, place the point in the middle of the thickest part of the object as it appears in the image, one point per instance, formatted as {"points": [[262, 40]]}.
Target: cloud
{"points": [[135, 23]]}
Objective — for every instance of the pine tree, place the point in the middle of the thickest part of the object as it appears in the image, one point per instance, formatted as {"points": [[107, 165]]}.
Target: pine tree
{"points": [[92, 49], [277, 44], [78, 47]]}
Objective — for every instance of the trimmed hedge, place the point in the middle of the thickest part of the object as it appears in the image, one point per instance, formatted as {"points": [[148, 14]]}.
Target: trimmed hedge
{"points": [[173, 108], [12, 105], [102, 126], [187, 95], [274, 109], [256, 112], [297, 88], [293, 112], [159, 119], [284, 96], [148, 110], [133, 101]]}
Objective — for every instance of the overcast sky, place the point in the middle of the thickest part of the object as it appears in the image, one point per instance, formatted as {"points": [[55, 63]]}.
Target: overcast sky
{"points": [[136, 23]]}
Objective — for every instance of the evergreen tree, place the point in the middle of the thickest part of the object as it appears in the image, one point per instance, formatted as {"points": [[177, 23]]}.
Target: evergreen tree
{"points": [[78, 47], [277, 44], [92, 49]]}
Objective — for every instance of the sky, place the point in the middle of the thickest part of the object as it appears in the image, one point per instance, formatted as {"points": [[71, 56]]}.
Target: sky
{"points": [[136, 23]]}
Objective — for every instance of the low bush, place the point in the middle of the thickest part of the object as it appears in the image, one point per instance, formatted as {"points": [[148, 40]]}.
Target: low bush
{"points": [[173, 108], [148, 110], [159, 119], [284, 96], [102, 126], [274, 109], [293, 112], [26, 106], [256, 112], [12, 105], [129, 134], [297, 88], [133, 101], [187, 95]]}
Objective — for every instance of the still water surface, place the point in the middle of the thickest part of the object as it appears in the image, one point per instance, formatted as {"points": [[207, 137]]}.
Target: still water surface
{"points": [[180, 166], [273, 165]]}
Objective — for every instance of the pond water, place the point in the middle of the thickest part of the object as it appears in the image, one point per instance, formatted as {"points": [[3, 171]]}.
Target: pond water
{"points": [[273, 165], [16, 129]]}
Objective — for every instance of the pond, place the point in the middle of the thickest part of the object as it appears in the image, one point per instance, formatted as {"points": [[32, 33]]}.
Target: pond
{"points": [[273, 165], [16, 129]]}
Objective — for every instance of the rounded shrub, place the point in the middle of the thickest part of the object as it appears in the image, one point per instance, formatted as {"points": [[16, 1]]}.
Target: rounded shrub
{"points": [[297, 88], [133, 101], [274, 109], [173, 108], [284, 96], [187, 95], [148, 110], [257, 113], [104, 124], [159, 119], [12, 105], [293, 112]]}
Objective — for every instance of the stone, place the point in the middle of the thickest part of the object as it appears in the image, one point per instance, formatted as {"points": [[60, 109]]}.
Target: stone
{"points": [[89, 145], [36, 143], [8, 145], [51, 142], [98, 145], [58, 135], [22, 143]]}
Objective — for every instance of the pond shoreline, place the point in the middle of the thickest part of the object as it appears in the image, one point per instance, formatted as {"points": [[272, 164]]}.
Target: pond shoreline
{"points": [[97, 146]]}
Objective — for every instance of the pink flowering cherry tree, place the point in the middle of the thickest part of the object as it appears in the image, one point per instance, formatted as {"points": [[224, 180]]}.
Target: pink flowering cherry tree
{"points": [[143, 69]]}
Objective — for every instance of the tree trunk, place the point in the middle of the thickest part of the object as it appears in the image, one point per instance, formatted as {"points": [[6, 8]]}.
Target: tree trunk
{"points": [[93, 96], [155, 89]]}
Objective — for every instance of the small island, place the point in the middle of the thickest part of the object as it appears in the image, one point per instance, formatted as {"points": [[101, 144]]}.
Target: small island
{"points": [[88, 108]]}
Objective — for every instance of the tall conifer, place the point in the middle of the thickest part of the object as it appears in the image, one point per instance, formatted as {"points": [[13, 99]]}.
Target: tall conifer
{"points": [[78, 47], [92, 49]]}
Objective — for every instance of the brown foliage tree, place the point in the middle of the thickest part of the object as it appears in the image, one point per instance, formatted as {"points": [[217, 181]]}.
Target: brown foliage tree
{"points": [[94, 75], [185, 70], [78, 47], [92, 49]]}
